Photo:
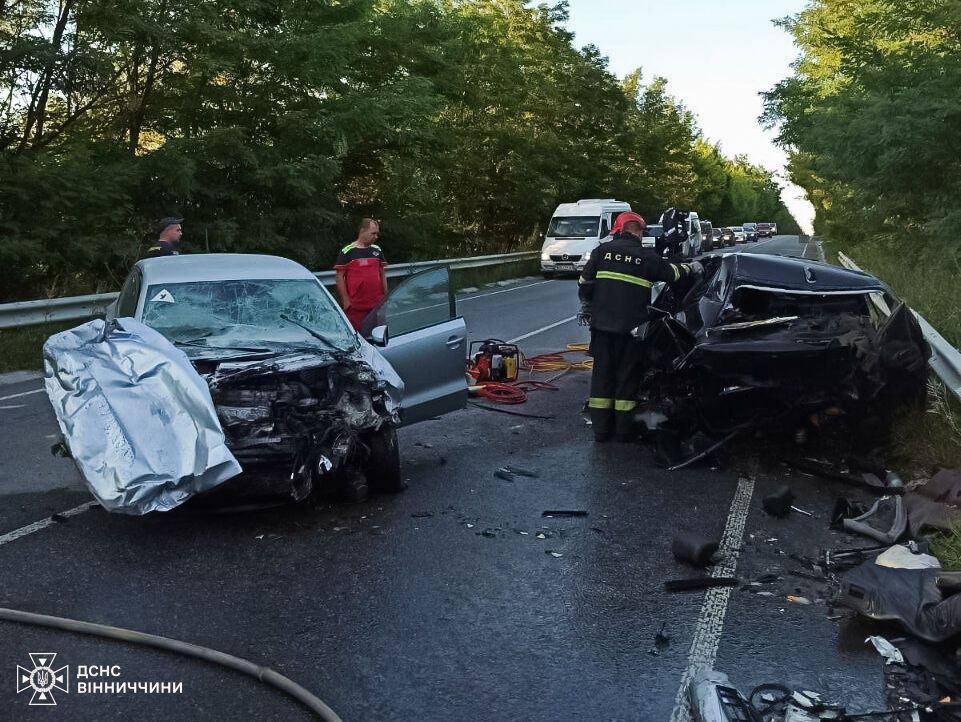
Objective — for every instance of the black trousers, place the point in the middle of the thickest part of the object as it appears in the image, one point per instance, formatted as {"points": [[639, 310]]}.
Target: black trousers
{"points": [[619, 363]]}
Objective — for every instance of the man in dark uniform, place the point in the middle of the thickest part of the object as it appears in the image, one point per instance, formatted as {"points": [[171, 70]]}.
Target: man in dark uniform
{"points": [[169, 233], [361, 273], [615, 291]]}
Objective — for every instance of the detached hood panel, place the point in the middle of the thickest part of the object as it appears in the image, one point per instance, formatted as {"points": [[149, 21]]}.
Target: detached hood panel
{"points": [[138, 419]]}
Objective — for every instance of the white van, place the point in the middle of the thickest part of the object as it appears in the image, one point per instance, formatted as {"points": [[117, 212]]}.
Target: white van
{"points": [[575, 230]]}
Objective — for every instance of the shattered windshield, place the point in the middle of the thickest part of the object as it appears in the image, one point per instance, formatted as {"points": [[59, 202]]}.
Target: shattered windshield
{"points": [[246, 313]]}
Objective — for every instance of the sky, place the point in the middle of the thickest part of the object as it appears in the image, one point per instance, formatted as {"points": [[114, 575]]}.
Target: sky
{"points": [[717, 55]]}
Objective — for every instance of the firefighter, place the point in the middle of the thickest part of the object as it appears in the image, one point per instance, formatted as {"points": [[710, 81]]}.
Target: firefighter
{"points": [[615, 291]]}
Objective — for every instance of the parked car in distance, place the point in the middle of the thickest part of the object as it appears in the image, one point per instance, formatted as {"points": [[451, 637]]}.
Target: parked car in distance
{"points": [[651, 234], [728, 237], [764, 230], [707, 236], [750, 231], [739, 236]]}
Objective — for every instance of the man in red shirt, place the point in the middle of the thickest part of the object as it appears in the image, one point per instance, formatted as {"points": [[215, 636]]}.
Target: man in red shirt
{"points": [[361, 278]]}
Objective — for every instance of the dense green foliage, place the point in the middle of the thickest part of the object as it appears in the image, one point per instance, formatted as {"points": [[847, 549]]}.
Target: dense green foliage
{"points": [[273, 126], [872, 117]]}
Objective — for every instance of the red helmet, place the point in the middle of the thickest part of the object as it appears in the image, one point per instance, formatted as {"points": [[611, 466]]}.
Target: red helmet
{"points": [[624, 218]]}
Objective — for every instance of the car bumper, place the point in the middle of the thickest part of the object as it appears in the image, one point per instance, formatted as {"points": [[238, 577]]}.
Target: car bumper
{"points": [[562, 267]]}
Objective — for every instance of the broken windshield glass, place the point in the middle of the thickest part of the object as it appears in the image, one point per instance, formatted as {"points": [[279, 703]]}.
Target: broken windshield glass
{"points": [[239, 313]]}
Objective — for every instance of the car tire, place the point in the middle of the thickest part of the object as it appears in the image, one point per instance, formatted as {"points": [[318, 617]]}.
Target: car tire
{"points": [[547, 274], [382, 468]]}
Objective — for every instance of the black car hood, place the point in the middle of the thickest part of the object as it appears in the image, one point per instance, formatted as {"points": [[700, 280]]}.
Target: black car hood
{"points": [[795, 274]]}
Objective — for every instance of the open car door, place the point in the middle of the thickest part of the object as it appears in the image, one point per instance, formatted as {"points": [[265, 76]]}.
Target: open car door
{"points": [[426, 344]]}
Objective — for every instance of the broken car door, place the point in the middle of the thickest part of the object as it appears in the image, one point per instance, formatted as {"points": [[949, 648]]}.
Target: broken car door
{"points": [[426, 345]]}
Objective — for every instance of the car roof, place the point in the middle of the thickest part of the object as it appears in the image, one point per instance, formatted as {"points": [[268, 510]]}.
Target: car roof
{"points": [[219, 267]]}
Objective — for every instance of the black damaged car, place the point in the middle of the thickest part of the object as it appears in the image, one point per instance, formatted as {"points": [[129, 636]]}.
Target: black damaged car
{"points": [[770, 342]]}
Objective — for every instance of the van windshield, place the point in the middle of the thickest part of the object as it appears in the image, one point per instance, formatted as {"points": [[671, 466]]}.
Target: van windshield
{"points": [[574, 226]]}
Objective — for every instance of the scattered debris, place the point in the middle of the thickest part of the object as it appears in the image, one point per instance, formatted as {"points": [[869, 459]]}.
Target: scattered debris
{"points": [[886, 649], [556, 555], [661, 641], [510, 473], [923, 601], [886, 521], [564, 512], [798, 600], [714, 699], [422, 514], [901, 556], [779, 503], [694, 550]]}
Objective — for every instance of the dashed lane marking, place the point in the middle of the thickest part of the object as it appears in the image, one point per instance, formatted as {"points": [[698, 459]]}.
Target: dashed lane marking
{"points": [[22, 393], [710, 625], [541, 330], [43, 523], [504, 290]]}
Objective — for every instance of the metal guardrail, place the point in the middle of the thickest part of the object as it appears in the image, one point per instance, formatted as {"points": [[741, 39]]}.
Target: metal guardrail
{"points": [[30, 313], [945, 359]]}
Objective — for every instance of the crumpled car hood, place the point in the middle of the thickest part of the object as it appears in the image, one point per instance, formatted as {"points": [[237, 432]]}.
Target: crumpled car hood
{"points": [[137, 419], [140, 419]]}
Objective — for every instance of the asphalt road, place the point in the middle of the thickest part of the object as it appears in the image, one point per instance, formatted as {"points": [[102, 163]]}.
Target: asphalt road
{"points": [[456, 599]]}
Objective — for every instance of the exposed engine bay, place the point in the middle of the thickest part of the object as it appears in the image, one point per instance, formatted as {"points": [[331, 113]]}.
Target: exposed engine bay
{"points": [[150, 426], [310, 413], [769, 342]]}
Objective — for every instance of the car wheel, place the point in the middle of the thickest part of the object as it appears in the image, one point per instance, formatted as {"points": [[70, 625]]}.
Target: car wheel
{"points": [[547, 274], [382, 468]]}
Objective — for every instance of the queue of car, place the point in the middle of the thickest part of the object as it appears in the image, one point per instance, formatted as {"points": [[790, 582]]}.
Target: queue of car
{"points": [[577, 228]]}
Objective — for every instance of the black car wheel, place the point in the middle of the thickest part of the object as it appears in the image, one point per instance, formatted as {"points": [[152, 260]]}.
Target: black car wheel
{"points": [[382, 468], [547, 274]]}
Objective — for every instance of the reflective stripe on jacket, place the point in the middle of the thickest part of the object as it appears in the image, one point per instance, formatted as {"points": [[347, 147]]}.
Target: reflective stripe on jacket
{"points": [[617, 282]]}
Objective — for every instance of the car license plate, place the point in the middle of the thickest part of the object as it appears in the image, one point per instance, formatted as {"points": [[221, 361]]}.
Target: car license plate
{"points": [[564, 267]]}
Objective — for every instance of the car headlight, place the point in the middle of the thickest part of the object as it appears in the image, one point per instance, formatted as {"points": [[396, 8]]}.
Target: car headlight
{"points": [[545, 256]]}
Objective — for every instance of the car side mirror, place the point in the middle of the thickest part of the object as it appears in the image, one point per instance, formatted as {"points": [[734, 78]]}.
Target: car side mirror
{"points": [[379, 336]]}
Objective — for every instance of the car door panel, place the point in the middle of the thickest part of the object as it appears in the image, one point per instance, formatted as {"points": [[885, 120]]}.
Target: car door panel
{"points": [[427, 344]]}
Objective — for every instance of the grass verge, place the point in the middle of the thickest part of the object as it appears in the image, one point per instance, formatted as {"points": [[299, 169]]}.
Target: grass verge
{"points": [[20, 348], [930, 289]]}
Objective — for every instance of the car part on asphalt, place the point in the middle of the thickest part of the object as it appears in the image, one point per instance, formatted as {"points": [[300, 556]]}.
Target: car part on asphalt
{"points": [[262, 674], [694, 550], [923, 601], [886, 521], [778, 504], [714, 699]]}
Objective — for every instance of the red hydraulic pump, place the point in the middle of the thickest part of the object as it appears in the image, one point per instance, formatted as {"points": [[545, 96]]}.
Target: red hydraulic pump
{"points": [[494, 360]]}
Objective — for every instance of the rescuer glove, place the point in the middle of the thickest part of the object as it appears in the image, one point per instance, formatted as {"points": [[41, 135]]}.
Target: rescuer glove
{"points": [[584, 317], [697, 268]]}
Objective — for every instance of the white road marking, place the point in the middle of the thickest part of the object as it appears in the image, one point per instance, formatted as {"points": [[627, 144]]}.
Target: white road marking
{"points": [[710, 624], [22, 393], [15, 406], [541, 330], [505, 290], [43, 523]]}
